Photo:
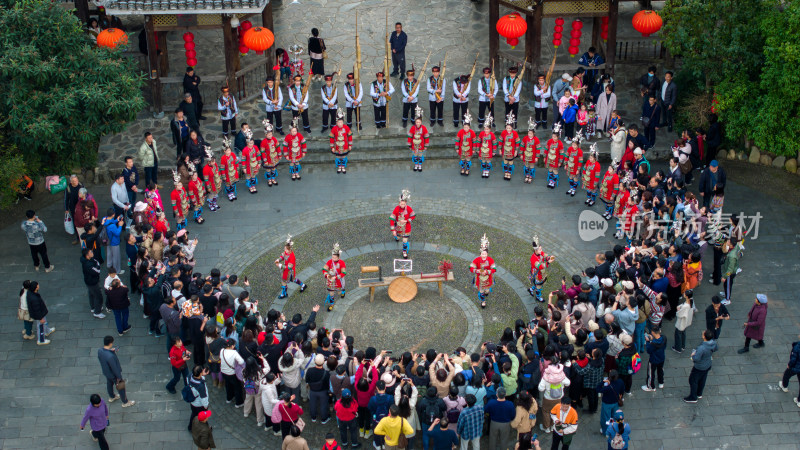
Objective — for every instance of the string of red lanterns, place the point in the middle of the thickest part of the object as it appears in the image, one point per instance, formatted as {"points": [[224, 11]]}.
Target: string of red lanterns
{"points": [[243, 27], [575, 40], [188, 45], [604, 29], [557, 32]]}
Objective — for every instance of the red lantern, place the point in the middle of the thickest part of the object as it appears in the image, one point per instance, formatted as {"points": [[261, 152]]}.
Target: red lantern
{"points": [[191, 62], [604, 35], [112, 38], [258, 39], [246, 25], [573, 50], [647, 22], [559, 21], [604, 27], [577, 24], [557, 36], [558, 29], [243, 49], [604, 20], [512, 27], [574, 42], [188, 45], [191, 54], [188, 37], [575, 33], [556, 42]]}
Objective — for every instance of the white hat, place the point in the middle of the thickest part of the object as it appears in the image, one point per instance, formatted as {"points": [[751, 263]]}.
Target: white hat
{"points": [[637, 151], [627, 284], [607, 282], [566, 76]]}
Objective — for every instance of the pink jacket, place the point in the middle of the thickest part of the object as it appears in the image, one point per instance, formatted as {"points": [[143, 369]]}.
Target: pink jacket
{"points": [[362, 398]]}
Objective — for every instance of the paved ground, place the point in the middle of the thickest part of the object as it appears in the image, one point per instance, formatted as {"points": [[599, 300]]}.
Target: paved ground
{"points": [[46, 388]]}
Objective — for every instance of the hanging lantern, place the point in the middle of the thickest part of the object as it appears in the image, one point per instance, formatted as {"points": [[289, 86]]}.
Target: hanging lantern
{"points": [[574, 42], [188, 37], [243, 49], [188, 45], [559, 21], [577, 24], [246, 25], [604, 20], [191, 54], [558, 28], [557, 36], [604, 36], [573, 50], [575, 34], [112, 38], [258, 39], [191, 62], [647, 22], [512, 27], [556, 42]]}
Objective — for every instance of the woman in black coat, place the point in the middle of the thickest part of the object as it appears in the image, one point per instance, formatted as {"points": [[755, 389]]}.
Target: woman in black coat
{"points": [[38, 312], [316, 46], [117, 300]]}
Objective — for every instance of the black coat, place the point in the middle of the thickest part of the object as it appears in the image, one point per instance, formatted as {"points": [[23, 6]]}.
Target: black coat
{"points": [[196, 151], [190, 87], [118, 298], [190, 114], [36, 307], [91, 271]]}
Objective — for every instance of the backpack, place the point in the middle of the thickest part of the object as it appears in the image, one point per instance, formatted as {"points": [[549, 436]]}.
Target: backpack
{"points": [[617, 442], [636, 363], [431, 411], [102, 236], [529, 380], [555, 390], [453, 414], [250, 386], [188, 394]]}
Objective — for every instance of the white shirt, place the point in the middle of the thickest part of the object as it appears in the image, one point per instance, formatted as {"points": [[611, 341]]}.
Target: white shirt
{"points": [[229, 359], [375, 88], [295, 92], [330, 97], [349, 99], [406, 94], [109, 280], [483, 85], [507, 82], [457, 92], [432, 88], [664, 90], [538, 92], [267, 94]]}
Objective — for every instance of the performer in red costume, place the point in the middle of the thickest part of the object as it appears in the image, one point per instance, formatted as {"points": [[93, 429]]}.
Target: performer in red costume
{"points": [[212, 179], [509, 141], [590, 176], [573, 163], [485, 146], [294, 150], [230, 170], [418, 139], [400, 221], [609, 188], [465, 145], [529, 151], [197, 194], [286, 264], [483, 269], [251, 161], [341, 142], [180, 202], [554, 155], [270, 154], [334, 273], [539, 263]]}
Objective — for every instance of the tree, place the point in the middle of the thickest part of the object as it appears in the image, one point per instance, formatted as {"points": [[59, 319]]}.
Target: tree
{"points": [[61, 94]]}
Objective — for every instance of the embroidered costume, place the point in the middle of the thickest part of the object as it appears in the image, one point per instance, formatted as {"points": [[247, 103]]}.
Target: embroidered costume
{"points": [[554, 154], [294, 150], [230, 170], [381, 92], [485, 146], [509, 141], [333, 274], [341, 142], [529, 152], [590, 176], [418, 139], [483, 269], [400, 221], [609, 188], [539, 263], [212, 179], [573, 163], [251, 160], [197, 194], [180, 202], [465, 145], [286, 264], [270, 155]]}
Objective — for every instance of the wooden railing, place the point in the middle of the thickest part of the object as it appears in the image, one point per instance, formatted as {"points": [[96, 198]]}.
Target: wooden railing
{"points": [[250, 79], [641, 50]]}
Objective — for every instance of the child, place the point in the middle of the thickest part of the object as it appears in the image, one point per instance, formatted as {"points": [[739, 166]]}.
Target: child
{"points": [[655, 366], [613, 124], [591, 127], [717, 200], [573, 164], [582, 118], [331, 444], [568, 117]]}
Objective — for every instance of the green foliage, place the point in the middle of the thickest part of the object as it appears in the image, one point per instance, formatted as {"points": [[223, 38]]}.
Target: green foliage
{"points": [[13, 170], [742, 50], [61, 94]]}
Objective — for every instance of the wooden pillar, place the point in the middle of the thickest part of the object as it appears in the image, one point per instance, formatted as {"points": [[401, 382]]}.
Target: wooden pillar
{"points": [[494, 37], [82, 11], [268, 23], [597, 23], [152, 57], [163, 58], [611, 49], [230, 49], [533, 38]]}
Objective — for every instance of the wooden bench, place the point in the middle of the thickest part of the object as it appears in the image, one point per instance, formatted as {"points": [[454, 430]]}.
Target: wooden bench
{"points": [[403, 288]]}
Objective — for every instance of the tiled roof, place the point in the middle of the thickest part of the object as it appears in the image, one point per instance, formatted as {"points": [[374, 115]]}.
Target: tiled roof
{"points": [[141, 7]]}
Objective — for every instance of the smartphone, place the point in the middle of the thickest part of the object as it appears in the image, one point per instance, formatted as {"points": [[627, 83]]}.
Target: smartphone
{"points": [[534, 437]]}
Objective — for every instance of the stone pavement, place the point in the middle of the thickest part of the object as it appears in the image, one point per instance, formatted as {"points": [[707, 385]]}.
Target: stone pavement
{"points": [[45, 389]]}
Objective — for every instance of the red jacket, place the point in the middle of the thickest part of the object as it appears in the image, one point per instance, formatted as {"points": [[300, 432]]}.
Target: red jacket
{"points": [[176, 357], [362, 397], [529, 150], [289, 413], [346, 414]]}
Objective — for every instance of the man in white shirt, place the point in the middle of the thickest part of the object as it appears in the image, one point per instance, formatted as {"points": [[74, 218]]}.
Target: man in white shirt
{"points": [[487, 90], [352, 95], [436, 89]]}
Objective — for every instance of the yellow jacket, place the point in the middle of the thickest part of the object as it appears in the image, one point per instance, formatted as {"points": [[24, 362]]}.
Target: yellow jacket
{"points": [[389, 427]]}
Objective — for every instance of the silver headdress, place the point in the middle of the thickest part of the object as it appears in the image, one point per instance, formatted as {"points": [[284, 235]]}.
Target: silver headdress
{"points": [[209, 152], [614, 165], [226, 143], [418, 113], [578, 137], [248, 133], [289, 240], [295, 121], [557, 128], [510, 119], [467, 118], [593, 150], [192, 168], [339, 113], [535, 242], [175, 177], [405, 195], [487, 123], [531, 124], [267, 126], [336, 250], [484, 243]]}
